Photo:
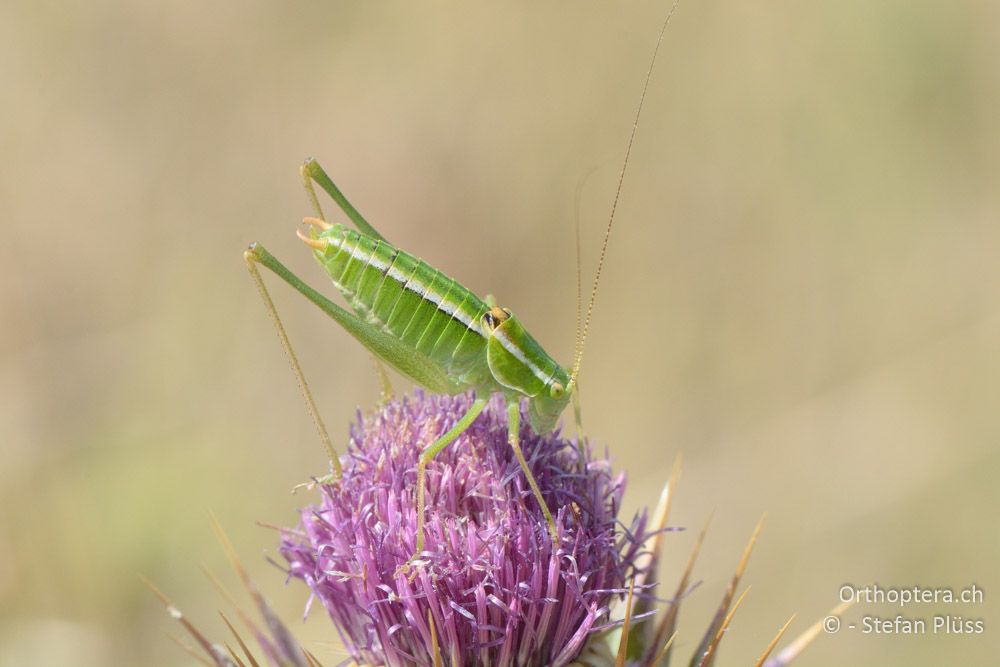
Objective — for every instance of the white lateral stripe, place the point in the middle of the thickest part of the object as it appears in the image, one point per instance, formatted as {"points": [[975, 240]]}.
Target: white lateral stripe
{"points": [[509, 345], [356, 253], [409, 283]]}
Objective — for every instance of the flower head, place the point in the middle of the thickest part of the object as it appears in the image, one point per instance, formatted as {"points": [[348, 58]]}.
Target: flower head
{"points": [[490, 589], [490, 585]]}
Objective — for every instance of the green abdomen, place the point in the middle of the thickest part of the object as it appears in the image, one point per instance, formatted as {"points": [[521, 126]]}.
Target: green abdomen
{"points": [[410, 300]]}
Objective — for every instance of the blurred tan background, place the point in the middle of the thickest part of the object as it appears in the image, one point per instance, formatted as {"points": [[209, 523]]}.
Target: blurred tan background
{"points": [[801, 294]]}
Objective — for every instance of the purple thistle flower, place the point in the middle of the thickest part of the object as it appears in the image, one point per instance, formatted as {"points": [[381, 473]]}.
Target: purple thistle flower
{"points": [[498, 591], [490, 588]]}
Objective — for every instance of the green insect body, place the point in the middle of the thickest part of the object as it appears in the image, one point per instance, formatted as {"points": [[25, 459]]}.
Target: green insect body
{"points": [[431, 328], [473, 345], [427, 326]]}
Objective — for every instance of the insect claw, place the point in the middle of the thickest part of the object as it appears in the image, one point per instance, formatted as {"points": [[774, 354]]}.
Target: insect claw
{"points": [[308, 240], [317, 222], [325, 480]]}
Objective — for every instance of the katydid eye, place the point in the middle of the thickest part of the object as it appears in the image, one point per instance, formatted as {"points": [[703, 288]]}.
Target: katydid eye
{"points": [[495, 316], [557, 390]]}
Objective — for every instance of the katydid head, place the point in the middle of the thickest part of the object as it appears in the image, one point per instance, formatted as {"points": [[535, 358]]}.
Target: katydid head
{"points": [[545, 408], [519, 364]]}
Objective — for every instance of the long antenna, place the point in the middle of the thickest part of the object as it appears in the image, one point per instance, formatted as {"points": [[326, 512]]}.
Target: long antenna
{"points": [[579, 277], [579, 261], [614, 205]]}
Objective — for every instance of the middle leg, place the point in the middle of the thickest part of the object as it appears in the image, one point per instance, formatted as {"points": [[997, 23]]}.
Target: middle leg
{"points": [[426, 457], [513, 437]]}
